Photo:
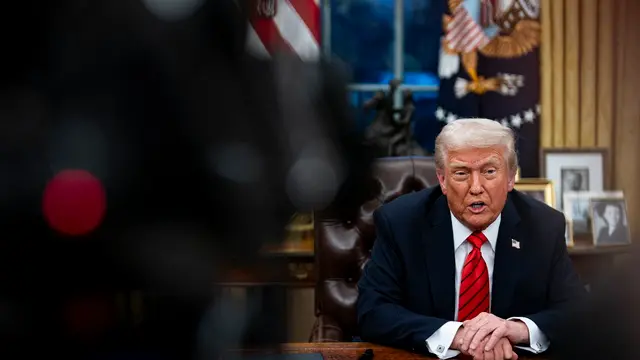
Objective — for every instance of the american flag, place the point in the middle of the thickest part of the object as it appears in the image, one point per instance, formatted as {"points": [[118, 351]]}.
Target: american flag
{"points": [[464, 34], [285, 25]]}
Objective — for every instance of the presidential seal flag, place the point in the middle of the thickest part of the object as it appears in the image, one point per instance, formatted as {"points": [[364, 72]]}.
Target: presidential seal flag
{"points": [[489, 67], [284, 25]]}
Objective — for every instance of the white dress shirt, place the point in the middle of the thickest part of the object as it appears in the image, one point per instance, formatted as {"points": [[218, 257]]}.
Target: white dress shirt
{"points": [[440, 342]]}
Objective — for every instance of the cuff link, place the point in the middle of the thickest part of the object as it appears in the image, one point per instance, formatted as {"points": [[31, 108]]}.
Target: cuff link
{"points": [[440, 348]]}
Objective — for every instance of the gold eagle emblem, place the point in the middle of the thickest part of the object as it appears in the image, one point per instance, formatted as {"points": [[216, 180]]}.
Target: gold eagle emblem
{"points": [[520, 34]]}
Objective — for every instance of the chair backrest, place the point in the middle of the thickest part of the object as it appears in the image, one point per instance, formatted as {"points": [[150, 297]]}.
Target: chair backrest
{"points": [[342, 247]]}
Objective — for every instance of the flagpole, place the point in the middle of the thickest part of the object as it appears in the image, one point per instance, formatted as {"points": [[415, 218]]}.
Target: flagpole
{"points": [[326, 28], [398, 49]]}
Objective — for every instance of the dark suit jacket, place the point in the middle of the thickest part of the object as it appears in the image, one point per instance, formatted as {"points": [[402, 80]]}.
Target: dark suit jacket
{"points": [[407, 290]]}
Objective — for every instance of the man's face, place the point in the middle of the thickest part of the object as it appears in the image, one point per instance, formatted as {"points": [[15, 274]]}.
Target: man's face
{"points": [[576, 184], [569, 180], [573, 182], [612, 215], [476, 183]]}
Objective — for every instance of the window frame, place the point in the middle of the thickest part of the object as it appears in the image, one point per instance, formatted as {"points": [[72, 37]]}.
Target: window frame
{"points": [[398, 52]]}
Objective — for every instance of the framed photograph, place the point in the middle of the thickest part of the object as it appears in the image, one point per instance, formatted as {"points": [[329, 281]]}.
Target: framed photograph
{"points": [[576, 207], [610, 225], [539, 189], [568, 233], [574, 179], [574, 170]]}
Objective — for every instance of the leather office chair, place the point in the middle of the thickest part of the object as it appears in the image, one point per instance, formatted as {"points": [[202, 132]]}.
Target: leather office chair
{"points": [[343, 247]]}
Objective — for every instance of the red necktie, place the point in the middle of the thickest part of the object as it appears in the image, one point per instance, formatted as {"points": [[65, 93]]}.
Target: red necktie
{"points": [[474, 286]]}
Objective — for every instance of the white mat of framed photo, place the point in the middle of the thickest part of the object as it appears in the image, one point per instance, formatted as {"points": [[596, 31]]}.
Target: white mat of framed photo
{"points": [[568, 233], [591, 162]]}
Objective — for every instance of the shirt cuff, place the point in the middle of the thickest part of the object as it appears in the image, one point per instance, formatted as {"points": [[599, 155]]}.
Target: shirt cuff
{"points": [[538, 341], [439, 343]]}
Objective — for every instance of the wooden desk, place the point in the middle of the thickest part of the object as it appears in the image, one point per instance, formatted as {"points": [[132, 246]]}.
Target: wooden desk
{"points": [[352, 351]]}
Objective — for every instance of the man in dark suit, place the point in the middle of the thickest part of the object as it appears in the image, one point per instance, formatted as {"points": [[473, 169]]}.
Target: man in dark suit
{"points": [[471, 266]]}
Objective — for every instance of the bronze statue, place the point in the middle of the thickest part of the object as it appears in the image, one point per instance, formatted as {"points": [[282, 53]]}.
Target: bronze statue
{"points": [[388, 135]]}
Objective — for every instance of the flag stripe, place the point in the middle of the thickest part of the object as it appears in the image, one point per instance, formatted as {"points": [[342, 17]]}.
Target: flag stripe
{"points": [[255, 45], [479, 42], [309, 12], [474, 36], [457, 32], [468, 33], [270, 35], [294, 28], [456, 18], [460, 22], [295, 32]]}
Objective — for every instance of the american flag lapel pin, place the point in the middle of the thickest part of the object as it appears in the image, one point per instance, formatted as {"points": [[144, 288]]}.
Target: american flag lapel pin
{"points": [[515, 243]]}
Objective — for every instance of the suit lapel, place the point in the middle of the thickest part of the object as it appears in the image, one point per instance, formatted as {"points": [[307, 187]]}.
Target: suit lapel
{"points": [[437, 237], [506, 270]]}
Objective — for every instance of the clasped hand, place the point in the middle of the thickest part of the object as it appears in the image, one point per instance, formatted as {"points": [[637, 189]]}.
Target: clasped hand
{"points": [[487, 337]]}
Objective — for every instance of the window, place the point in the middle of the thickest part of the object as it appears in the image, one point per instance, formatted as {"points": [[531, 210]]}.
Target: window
{"points": [[379, 40]]}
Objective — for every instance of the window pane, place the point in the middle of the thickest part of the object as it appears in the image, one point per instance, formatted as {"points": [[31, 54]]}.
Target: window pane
{"points": [[425, 126], [422, 31], [362, 37], [413, 78]]}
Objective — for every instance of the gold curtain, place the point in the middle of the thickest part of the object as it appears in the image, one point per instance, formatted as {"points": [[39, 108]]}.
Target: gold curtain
{"points": [[590, 56]]}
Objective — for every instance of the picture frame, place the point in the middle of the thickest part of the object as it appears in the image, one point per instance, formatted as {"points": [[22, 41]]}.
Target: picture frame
{"points": [[576, 207], [610, 225], [298, 239], [575, 170], [568, 233], [538, 188]]}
